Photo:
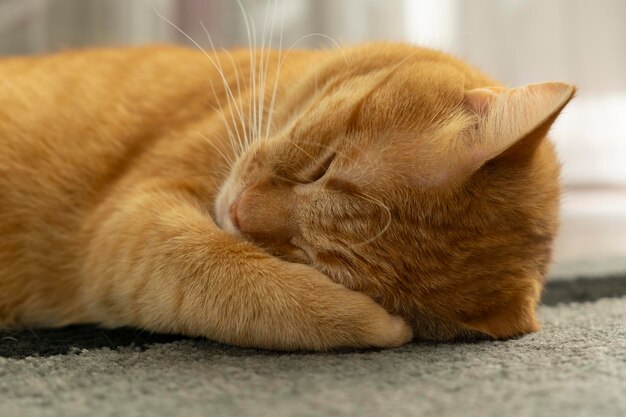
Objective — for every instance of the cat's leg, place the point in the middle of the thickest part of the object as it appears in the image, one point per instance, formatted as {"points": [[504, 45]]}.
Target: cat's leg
{"points": [[156, 260]]}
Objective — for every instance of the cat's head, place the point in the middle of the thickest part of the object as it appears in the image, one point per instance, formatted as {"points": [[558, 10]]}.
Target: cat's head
{"points": [[413, 179]]}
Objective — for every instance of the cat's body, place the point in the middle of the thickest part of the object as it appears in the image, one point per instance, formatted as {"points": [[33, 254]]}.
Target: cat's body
{"points": [[111, 196]]}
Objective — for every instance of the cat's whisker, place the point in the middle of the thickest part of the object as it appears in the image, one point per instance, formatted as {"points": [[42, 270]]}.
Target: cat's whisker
{"points": [[394, 68], [365, 197], [311, 157], [268, 60], [269, 54], [232, 139], [252, 87], [236, 68], [255, 79], [231, 99], [277, 76], [262, 70], [334, 42], [235, 142], [379, 203], [193, 41], [338, 152], [282, 59], [371, 172], [228, 159], [238, 76]]}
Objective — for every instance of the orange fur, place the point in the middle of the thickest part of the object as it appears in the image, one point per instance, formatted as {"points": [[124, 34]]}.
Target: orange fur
{"points": [[391, 171]]}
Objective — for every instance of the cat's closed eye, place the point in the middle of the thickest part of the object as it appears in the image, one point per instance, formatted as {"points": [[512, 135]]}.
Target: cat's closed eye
{"points": [[320, 168]]}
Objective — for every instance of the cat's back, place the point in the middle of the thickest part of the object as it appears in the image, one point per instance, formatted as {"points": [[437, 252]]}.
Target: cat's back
{"points": [[69, 122], [60, 113]]}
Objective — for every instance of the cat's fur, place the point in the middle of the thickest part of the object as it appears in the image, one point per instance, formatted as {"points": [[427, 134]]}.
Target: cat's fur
{"points": [[401, 173]]}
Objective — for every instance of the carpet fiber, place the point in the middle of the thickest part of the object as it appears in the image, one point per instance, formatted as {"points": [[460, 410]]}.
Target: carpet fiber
{"points": [[576, 366]]}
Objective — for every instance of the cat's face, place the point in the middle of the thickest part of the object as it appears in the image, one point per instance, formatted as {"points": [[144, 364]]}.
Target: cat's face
{"points": [[402, 183]]}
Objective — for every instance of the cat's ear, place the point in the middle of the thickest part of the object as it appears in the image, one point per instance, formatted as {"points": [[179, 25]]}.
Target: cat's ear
{"points": [[504, 121], [506, 116]]}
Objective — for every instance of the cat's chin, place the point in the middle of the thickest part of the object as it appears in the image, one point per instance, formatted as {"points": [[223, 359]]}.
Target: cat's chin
{"points": [[222, 206], [222, 218], [223, 222], [228, 226]]}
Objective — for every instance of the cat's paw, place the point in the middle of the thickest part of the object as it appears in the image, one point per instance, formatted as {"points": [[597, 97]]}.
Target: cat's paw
{"points": [[361, 322], [332, 317]]}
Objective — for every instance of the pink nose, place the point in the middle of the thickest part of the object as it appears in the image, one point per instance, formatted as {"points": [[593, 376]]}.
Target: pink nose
{"points": [[232, 212]]}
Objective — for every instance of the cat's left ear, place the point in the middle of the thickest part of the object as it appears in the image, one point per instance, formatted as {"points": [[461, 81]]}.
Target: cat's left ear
{"points": [[506, 117], [505, 121]]}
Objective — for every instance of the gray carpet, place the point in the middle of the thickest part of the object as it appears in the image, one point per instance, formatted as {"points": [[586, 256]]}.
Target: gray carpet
{"points": [[576, 366]]}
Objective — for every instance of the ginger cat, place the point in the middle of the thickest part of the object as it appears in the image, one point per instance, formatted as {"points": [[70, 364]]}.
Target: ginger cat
{"points": [[302, 200]]}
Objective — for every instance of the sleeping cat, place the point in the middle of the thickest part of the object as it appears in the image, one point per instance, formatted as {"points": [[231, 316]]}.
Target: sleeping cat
{"points": [[301, 200]]}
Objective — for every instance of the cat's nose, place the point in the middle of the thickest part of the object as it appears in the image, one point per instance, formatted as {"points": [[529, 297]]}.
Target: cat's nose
{"points": [[232, 214], [264, 213]]}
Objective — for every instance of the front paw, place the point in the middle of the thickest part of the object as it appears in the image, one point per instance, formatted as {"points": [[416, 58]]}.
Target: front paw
{"points": [[332, 316]]}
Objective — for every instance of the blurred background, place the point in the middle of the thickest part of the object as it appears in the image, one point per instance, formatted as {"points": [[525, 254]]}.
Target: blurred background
{"points": [[516, 41]]}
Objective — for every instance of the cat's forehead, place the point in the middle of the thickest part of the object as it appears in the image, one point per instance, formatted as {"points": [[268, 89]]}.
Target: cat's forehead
{"points": [[399, 96], [374, 120], [414, 89]]}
